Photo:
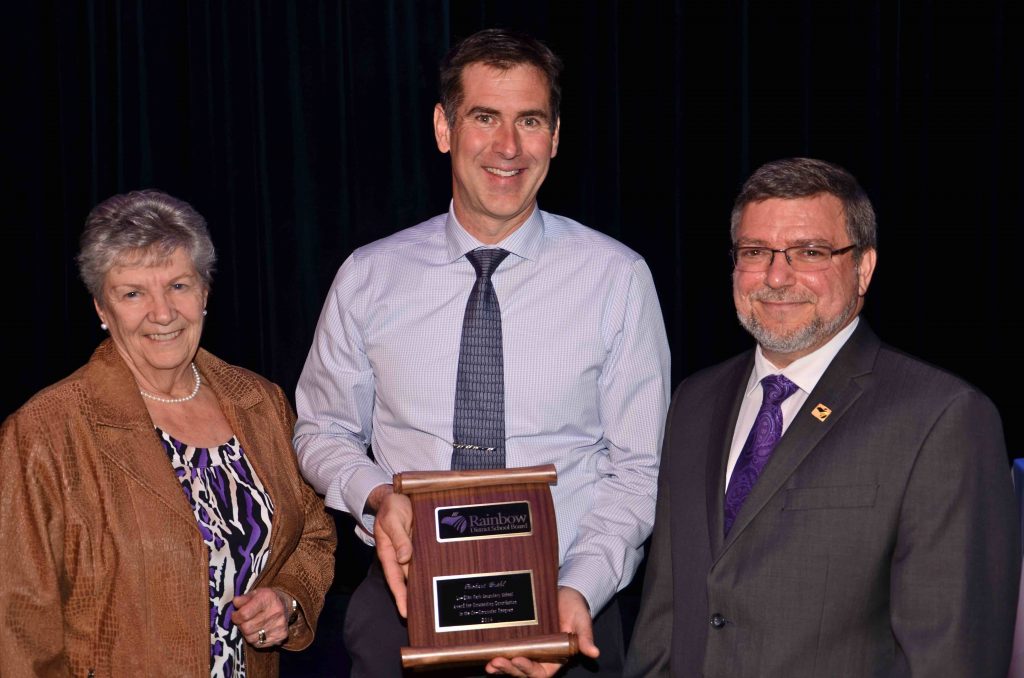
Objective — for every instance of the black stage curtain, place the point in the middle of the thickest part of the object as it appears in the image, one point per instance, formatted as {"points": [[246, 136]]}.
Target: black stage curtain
{"points": [[302, 130]]}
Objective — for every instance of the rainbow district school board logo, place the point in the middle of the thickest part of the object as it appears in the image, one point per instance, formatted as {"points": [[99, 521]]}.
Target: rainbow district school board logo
{"points": [[480, 521]]}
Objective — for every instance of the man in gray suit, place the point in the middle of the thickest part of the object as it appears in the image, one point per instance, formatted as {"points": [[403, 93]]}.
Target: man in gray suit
{"points": [[827, 505]]}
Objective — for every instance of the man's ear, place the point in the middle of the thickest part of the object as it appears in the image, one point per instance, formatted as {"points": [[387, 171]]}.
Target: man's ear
{"points": [[554, 137], [865, 269], [441, 131]]}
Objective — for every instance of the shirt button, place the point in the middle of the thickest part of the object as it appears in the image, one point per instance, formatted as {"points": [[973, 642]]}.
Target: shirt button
{"points": [[717, 621]]}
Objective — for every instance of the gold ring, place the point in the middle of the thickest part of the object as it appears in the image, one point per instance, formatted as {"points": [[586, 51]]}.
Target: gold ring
{"points": [[261, 637]]}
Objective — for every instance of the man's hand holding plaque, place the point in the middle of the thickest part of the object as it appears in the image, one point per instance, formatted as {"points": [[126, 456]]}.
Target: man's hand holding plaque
{"points": [[573, 617], [392, 531], [471, 559], [393, 535]]}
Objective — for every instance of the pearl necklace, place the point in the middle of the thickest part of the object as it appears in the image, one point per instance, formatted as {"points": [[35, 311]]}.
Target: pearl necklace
{"points": [[190, 396]]}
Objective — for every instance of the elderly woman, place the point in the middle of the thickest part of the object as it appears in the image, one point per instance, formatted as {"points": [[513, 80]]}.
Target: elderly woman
{"points": [[152, 516]]}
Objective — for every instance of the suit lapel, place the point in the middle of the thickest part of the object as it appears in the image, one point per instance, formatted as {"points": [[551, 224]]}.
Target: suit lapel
{"points": [[838, 388], [724, 411]]}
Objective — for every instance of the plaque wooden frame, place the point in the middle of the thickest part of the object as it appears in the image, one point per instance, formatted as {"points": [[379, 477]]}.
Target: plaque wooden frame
{"points": [[465, 558]]}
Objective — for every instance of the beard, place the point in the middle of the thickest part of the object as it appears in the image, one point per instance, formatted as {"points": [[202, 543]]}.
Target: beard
{"points": [[812, 335]]}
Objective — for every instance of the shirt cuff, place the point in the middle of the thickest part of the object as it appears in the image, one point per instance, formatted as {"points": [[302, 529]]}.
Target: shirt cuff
{"points": [[593, 583], [360, 485]]}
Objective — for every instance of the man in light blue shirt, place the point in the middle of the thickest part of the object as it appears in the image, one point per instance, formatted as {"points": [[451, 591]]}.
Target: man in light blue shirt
{"points": [[585, 358]]}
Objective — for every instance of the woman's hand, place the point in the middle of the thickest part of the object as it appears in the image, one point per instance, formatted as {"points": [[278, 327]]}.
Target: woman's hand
{"points": [[262, 616]]}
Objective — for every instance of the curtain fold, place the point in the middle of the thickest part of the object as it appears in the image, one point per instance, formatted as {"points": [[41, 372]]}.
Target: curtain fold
{"points": [[303, 130]]}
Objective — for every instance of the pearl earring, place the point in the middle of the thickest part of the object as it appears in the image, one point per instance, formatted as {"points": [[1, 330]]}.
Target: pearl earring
{"points": [[103, 326], [204, 312]]}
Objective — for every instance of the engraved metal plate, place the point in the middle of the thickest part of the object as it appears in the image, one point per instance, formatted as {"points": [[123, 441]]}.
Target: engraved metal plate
{"points": [[483, 521], [480, 601]]}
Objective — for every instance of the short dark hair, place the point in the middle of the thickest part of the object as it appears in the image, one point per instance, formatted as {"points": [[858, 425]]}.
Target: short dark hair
{"points": [[806, 177], [142, 228], [502, 49]]}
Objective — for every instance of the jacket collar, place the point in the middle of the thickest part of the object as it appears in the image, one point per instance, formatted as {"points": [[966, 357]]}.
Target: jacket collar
{"points": [[118, 403], [125, 433]]}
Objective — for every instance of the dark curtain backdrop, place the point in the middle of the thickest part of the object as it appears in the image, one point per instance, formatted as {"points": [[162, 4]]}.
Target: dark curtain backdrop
{"points": [[302, 130]]}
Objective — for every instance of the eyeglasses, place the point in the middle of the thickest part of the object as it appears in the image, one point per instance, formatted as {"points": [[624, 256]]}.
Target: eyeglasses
{"points": [[803, 258]]}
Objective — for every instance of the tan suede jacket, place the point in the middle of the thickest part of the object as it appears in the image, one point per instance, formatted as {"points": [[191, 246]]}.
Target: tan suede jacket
{"points": [[103, 571]]}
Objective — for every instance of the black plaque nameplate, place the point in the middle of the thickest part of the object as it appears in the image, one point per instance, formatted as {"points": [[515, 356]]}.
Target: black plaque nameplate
{"points": [[487, 600], [483, 521]]}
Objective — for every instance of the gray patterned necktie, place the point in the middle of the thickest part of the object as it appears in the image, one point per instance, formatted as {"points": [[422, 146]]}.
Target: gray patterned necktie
{"points": [[478, 429], [757, 450]]}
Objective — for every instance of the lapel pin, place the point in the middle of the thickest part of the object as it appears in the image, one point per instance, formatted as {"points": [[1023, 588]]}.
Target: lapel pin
{"points": [[821, 412]]}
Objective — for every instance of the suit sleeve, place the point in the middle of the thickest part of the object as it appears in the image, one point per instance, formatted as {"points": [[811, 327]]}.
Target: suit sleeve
{"points": [[650, 650], [956, 560], [309, 570], [31, 532]]}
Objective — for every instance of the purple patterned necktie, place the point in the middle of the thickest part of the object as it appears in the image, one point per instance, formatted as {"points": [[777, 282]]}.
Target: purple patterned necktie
{"points": [[764, 436], [478, 427]]}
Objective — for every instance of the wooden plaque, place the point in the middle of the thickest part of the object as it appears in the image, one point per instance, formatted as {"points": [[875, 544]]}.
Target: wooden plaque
{"points": [[483, 578]]}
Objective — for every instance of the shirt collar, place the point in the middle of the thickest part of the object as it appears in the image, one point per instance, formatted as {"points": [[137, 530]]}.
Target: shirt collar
{"points": [[524, 242], [804, 372]]}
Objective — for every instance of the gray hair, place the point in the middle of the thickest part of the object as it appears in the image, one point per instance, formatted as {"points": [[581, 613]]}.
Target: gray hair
{"points": [[806, 177], [142, 228]]}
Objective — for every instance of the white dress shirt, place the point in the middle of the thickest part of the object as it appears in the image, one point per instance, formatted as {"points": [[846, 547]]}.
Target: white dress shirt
{"points": [[586, 379], [804, 372]]}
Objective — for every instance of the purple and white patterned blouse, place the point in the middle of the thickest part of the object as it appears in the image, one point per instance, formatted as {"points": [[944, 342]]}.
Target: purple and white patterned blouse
{"points": [[233, 511]]}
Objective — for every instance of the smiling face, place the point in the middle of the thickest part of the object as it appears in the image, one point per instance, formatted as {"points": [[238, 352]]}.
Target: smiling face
{"points": [[790, 313], [501, 147], [155, 316]]}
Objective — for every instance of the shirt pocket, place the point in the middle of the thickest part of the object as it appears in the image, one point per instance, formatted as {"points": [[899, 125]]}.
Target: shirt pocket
{"points": [[839, 497]]}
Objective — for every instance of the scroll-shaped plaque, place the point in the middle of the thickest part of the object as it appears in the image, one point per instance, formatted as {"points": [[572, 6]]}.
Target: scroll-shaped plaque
{"points": [[484, 574]]}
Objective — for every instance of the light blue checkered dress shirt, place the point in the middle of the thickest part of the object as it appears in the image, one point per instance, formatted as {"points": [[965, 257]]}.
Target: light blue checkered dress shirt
{"points": [[586, 379]]}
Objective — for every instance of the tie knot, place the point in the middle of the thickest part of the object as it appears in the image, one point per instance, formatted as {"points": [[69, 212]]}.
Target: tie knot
{"points": [[486, 260], [777, 388]]}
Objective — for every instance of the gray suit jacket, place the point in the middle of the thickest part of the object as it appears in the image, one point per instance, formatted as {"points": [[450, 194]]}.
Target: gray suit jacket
{"points": [[880, 542]]}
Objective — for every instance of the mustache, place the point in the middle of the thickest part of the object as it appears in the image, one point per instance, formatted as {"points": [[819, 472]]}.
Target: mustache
{"points": [[780, 296]]}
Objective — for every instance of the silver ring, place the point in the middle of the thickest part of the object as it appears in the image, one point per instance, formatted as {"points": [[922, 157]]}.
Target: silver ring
{"points": [[261, 637]]}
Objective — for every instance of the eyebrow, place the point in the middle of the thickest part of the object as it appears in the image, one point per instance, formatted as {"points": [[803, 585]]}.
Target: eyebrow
{"points": [[482, 109], [532, 113], [543, 115], [177, 278], [800, 242]]}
